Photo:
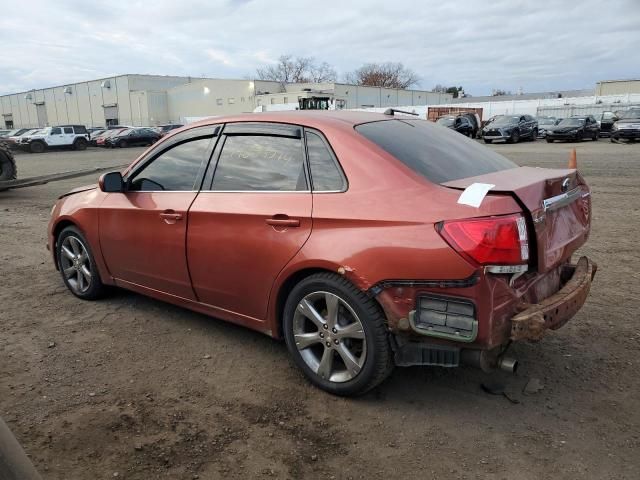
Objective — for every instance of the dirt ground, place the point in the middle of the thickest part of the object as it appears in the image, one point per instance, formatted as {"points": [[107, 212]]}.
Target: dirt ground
{"points": [[132, 388]]}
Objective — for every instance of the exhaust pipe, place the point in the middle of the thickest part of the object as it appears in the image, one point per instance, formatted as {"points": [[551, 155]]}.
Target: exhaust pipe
{"points": [[487, 360], [508, 364]]}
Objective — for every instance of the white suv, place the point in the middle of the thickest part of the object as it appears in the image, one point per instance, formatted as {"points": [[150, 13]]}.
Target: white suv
{"points": [[70, 136]]}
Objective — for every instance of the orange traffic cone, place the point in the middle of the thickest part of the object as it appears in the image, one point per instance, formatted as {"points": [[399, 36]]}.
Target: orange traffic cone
{"points": [[573, 162]]}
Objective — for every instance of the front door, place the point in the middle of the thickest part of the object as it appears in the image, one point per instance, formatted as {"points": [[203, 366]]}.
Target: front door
{"points": [[55, 137], [143, 230], [254, 218]]}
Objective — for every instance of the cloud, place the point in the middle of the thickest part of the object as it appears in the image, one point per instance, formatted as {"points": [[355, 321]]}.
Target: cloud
{"points": [[508, 44]]}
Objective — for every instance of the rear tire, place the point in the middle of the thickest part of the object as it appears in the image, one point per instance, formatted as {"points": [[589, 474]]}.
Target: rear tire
{"points": [[8, 169], [347, 353], [77, 265], [37, 147]]}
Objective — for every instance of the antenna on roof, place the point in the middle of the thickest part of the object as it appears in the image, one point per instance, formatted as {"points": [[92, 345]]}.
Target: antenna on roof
{"points": [[392, 111]]}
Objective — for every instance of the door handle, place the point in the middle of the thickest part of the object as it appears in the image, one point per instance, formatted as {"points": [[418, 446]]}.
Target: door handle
{"points": [[170, 216], [282, 221]]}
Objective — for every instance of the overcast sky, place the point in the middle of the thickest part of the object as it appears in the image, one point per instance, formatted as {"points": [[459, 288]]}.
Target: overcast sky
{"points": [[537, 45]]}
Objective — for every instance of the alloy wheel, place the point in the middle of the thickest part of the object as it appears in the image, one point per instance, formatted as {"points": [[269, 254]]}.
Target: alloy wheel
{"points": [[329, 336], [75, 264]]}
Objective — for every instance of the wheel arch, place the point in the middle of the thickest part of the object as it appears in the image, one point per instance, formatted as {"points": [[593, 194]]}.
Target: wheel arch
{"points": [[291, 278], [283, 290], [57, 228]]}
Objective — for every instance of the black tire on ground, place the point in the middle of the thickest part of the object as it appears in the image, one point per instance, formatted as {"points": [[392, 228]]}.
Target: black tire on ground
{"points": [[80, 144], [122, 144], [8, 169], [579, 137], [515, 137], [486, 140], [37, 147], [549, 140], [378, 359], [595, 137], [95, 288], [534, 135]]}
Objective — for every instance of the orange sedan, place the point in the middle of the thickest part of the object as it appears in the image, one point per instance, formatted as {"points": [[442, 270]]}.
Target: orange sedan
{"points": [[364, 240]]}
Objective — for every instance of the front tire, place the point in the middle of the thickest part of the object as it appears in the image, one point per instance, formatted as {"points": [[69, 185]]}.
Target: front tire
{"points": [[515, 137], [37, 147], [77, 265], [337, 335], [486, 140], [122, 144]]}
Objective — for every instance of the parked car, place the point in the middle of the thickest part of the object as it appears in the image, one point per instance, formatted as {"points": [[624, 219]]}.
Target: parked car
{"points": [[627, 127], [575, 128], [93, 139], [102, 138], [132, 137], [607, 119], [267, 221], [13, 140], [164, 129], [63, 136], [458, 123], [4, 133], [511, 128], [543, 124]]}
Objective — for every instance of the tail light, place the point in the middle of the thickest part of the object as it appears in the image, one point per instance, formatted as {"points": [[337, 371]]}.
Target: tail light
{"points": [[490, 241]]}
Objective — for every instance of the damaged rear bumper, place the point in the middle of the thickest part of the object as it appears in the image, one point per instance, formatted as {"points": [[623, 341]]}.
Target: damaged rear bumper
{"points": [[554, 311]]}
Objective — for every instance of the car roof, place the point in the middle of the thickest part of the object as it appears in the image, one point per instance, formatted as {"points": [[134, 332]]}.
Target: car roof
{"points": [[307, 118]]}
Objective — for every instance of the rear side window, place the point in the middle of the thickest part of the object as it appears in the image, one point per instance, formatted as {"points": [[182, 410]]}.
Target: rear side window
{"points": [[80, 129], [440, 155], [174, 170], [260, 162], [325, 173]]}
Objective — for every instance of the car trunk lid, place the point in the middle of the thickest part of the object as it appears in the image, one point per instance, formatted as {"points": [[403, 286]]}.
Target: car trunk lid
{"points": [[557, 202]]}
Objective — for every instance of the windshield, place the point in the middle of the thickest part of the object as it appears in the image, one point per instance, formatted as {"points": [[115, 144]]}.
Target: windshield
{"points": [[504, 120], [446, 121], [571, 122], [631, 113], [546, 121], [438, 154]]}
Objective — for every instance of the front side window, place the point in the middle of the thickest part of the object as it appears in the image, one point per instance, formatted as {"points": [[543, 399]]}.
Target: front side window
{"points": [[260, 162], [175, 169], [325, 173], [56, 131]]}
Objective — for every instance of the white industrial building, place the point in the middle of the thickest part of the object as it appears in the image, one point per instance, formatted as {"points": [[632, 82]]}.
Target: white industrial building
{"points": [[153, 100]]}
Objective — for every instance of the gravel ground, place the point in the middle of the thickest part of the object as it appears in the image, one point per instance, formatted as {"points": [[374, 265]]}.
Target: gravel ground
{"points": [[133, 388]]}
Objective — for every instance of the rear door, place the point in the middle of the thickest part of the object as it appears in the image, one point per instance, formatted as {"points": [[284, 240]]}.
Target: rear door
{"points": [[252, 217], [143, 230]]}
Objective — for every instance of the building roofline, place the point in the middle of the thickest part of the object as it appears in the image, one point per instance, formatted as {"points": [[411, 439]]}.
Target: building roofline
{"points": [[621, 80]]}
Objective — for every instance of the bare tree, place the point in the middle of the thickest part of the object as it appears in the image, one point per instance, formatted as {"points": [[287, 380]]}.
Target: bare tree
{"points": [[388, 74], [322, 72], [297, 70]]}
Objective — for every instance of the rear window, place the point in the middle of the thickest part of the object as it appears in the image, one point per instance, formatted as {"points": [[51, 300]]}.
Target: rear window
{"points": [[440, 155]]}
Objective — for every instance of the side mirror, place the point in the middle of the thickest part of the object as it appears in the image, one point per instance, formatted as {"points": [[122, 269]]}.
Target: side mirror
{"points": [[111, 182]]}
